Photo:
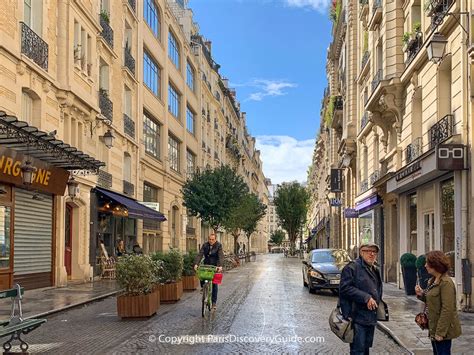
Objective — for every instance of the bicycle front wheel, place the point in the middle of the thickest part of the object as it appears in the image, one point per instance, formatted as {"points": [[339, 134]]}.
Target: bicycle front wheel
{"points": [[205, 292]]}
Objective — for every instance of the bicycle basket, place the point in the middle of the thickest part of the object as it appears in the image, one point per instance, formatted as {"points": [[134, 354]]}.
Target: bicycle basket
{"points": [[206, 272], [217, 280]]}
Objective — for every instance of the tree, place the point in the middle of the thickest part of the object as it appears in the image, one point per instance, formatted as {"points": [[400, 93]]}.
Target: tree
{"points": [[255, 212], [277, 237], [212, 194], [235, 222], [291, 204]]}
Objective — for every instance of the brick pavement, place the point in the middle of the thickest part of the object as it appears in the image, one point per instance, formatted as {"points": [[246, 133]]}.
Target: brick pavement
{"points": [[402, 324]]}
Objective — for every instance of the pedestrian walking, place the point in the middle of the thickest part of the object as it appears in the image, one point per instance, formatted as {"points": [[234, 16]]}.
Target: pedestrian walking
{"points": [[360, 294], [440, 299]]}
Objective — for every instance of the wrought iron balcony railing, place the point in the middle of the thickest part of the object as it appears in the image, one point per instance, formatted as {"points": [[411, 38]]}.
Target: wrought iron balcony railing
{"points": [[435, 7], [374, 177], [128, 125], [377, 79], [133, 4], [107, 32], [364, 185], [129, 61], [33, 46], [365, 59], [364, 120], [413, 47], [413, 150], [104, 179], [338, 103], [377, 5], [128, 188], [441, 130], [106, 106]]}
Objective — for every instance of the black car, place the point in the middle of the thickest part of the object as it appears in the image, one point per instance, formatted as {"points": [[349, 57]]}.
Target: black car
{"points": [[322, 269]]}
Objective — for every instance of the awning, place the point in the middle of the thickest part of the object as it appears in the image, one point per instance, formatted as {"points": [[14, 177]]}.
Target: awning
{"points": [[30, 141], [134, 208]]}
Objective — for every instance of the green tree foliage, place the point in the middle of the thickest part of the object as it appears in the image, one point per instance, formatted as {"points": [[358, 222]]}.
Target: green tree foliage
{"points": [[291, 202], [212, 194], [277, 237]]}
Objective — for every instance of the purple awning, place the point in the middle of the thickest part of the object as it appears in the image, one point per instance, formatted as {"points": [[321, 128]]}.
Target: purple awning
{"points": [[368, 203]]}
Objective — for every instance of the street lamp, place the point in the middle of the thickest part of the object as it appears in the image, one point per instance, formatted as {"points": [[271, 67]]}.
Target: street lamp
{"points": [[108, 138], [27, 172], [72, 187], [436, 47]]}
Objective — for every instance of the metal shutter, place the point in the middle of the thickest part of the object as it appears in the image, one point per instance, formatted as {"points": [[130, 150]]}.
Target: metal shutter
{"points": [[33, 233]]}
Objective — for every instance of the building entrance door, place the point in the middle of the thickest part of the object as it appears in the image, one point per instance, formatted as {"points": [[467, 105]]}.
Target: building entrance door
{"points": [[429, 231], [68, 240]]}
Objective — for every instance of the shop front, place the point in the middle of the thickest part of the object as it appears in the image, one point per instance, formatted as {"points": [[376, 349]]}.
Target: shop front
{"points": [[114, 218], [34, 173]]}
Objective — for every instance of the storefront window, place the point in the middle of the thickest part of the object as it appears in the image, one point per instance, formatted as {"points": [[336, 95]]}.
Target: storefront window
{"points": [[366, 227], [4, 237], [447, 221], [413, 230]]}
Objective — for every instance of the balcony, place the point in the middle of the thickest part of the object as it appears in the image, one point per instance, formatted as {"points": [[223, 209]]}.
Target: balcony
{"points": [[364, 6], [106, 106], [364, 185], [376, 14], [413, 46], [374, 177], [364, 120], [128, 125], [107, 32], [133, 4], [128, 188], [377, 79], [190, 230], [33, 46], [104, 179], [441, 131], [437, 9], [129, 61], [413, 150]]}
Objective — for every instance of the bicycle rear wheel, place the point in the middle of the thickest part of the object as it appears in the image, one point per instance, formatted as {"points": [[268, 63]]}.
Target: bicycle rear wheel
{"points": [[205, 293]]}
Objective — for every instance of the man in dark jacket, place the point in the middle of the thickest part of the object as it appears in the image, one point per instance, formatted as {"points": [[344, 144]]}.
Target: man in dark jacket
{"points": [[213, 255], [360, 294]]}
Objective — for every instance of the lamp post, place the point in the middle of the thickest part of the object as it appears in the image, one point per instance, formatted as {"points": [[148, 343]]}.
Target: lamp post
{"points": [[436, 47], [108, 138], [72, 187], [27, 172]]}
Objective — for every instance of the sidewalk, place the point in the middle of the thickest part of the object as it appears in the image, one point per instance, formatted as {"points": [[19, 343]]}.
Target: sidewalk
{"points": [[44, 301], [403, 329]]}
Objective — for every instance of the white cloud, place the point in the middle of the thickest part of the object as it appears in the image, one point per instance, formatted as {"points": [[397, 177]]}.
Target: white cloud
{"points": [[268, 88], [285, 158], [320, 5]]}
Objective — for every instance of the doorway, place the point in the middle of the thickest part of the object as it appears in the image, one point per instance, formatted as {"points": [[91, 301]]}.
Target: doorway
{"points": [[429, 231], [68, 240]]}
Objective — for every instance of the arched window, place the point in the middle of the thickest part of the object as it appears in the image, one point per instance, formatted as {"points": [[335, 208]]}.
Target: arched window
{"points": [[30, 108]]}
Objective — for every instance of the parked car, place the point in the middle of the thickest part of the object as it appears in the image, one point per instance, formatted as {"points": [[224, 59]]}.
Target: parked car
{"points": [[322, 269]]}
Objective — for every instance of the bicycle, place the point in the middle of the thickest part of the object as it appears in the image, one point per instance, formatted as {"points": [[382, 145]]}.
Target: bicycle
{"points": [[206, 273]]}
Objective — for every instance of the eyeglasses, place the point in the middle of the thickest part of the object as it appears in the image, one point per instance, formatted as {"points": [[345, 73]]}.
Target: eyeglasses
{"points": [[370, 251]]}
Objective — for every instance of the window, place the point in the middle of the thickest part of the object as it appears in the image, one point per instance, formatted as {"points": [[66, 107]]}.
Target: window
{"points": [[151, 74], [447, 222], [151, 136], [173, 49], [127, 167], [190, 164], [33, 15], [27, 108], [151, 194], [190, 76], [174, 100], [152, 17], [4, 237], [190, 120], [173, 152], [127, 101], [413, 224]]}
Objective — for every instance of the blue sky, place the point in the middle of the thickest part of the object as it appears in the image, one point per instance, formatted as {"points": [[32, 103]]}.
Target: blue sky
{"points": [[274, 54]]}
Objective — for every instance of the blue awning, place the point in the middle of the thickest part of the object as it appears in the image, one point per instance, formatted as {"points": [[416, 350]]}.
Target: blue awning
{"points": [[134, 208]]}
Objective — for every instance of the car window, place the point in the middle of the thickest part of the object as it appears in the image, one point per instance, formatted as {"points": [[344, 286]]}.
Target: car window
{"points": [[331, 256]]}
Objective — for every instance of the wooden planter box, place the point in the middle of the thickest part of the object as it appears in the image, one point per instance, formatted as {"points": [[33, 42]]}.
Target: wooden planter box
{"points": [[171, 293], [190, 283], [138, 306]]}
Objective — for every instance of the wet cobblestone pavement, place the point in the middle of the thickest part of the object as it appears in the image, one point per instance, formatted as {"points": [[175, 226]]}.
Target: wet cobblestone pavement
{"points": [[262, 308]]}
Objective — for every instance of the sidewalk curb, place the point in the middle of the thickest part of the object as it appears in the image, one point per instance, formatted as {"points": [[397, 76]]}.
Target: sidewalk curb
{"points": [[96, 298], [389, 333]]}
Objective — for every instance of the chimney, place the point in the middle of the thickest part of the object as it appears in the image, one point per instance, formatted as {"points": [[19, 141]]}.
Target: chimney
{"points": [[208, 44], [244, 116], [225, 81]]}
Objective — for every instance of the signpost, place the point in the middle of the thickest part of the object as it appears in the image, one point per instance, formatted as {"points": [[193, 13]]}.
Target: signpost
{"points": [[451, 157], [336, 180]]}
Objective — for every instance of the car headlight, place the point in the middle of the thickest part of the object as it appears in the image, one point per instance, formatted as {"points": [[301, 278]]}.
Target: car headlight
{"points": [[314, 273]]}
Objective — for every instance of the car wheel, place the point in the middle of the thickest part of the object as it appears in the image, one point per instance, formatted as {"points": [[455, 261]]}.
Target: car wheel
{"points": [[335, 292], [305, 284], [310, 288]]}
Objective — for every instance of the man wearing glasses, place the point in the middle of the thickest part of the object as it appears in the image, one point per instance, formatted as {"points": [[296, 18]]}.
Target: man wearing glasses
{"points": [[360, 293]]}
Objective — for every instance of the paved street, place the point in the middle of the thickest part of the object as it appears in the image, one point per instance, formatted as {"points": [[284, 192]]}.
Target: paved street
{"points": [[261, 301]]}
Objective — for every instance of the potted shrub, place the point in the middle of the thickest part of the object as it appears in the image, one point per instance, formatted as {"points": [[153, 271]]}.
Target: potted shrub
{"points": [[169, 276], [190, 280], [406, 40], [408, 265], [136, 275], [423, 275]]}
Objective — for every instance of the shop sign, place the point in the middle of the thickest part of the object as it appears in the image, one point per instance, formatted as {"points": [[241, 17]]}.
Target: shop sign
{"points": [[46, 178], [153, 205], [351, 213], [451, 157], [336, 180], [402, 174], [335, 202]]}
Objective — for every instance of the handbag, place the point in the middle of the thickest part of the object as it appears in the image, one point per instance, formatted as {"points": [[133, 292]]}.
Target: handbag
{"points": [[422, 319], [382, 312], [341, 326]]}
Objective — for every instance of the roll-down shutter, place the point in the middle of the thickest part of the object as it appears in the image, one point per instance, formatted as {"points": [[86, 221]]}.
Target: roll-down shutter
{"points": [[33, 233]]}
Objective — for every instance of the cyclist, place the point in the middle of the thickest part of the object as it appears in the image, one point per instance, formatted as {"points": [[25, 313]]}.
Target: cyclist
{"points": [[213, 255]]}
